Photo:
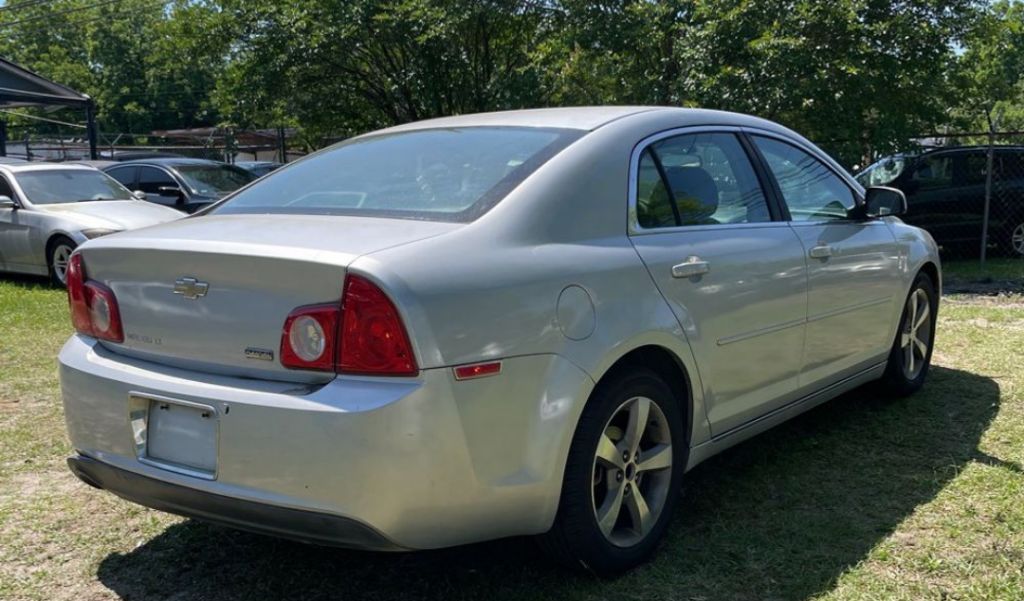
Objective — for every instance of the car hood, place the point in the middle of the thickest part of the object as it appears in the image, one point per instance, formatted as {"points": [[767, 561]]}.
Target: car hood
{"points": [[114, 214]]}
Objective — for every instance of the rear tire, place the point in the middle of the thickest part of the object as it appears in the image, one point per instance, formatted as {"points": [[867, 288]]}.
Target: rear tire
{"points": [[621, 480], [58, 253], [1012, 243], [911, 354]]}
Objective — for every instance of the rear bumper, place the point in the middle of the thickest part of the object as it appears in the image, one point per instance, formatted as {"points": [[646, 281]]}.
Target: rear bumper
{"points": [[303, 526], [421, 462]]}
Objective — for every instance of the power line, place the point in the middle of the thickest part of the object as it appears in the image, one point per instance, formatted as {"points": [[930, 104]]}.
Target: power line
{"points": [[27, 116], [59, 13], [26, 4], [124, 13]]}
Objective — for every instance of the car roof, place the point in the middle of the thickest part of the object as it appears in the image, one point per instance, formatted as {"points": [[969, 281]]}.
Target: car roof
{"points": [[169, 162], [585, 118], [43, 166], [984, 148]]}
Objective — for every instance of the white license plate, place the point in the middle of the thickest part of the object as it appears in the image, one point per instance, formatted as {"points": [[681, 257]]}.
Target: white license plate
{"points": [[182, 434]]}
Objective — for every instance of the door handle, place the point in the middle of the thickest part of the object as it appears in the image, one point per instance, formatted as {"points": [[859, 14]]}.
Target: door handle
{"points": [[694, 266], [821, 251]]}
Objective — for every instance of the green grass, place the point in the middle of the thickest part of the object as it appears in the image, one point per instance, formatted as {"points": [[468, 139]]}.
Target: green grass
{"points": [[861, 499], [971, 270]]}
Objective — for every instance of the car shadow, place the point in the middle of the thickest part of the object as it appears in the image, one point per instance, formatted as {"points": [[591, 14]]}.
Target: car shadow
{"points": [[781, 516], [28, 282]]}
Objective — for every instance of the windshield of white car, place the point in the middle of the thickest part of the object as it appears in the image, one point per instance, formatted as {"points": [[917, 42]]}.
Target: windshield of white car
{"points": [[59, 186], [883, 172], [214, 180], [453, 174]]}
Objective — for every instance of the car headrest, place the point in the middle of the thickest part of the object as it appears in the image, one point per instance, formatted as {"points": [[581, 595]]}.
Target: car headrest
{"points": [[695, 192]]}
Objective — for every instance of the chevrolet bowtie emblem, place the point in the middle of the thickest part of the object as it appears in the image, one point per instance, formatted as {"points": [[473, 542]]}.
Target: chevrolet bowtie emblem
{"points": [[191, 288]]}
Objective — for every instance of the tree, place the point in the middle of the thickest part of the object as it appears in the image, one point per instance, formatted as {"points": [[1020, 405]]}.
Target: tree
{"points": [[991, 69]]}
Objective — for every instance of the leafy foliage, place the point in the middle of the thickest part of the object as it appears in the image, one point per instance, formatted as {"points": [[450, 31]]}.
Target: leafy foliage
{"points": [[858, 76]]}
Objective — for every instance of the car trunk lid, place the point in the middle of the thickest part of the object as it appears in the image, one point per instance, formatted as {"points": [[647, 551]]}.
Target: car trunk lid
{"points": [[212, 293]]}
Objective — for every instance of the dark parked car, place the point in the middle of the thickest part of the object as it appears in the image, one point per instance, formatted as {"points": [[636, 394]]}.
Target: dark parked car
{"points": [[258, 168], [185, 184], [945, 191]]}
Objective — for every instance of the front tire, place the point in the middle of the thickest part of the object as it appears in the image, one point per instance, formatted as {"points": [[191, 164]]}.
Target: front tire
{"points": [[911, 354], [58, 255], [622, 476]]}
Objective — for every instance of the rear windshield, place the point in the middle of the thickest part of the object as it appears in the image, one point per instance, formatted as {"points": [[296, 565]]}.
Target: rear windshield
{"points": [[70, 185], [438, 174]]}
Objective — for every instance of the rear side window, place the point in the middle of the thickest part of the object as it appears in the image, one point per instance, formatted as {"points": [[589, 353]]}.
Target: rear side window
{"points": [[152, 179], [707, 177], [124, 175], [811, 190], [439, 174]]}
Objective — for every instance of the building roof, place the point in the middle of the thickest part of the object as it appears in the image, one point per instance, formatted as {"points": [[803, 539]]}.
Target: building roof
{"points": [[21, 87]]}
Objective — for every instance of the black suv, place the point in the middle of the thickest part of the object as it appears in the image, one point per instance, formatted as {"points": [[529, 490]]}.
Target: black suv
{"points": [[185, 184], [945, 191]]}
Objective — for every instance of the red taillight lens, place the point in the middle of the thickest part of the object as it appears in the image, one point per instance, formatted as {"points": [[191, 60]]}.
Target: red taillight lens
{"points": [[373, 339], [75, 281], [364, 335], [309, 339], [94, 310]]}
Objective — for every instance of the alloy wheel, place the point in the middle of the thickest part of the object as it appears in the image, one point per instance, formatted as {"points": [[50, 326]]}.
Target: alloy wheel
{"points": [[632, 471], [1017, 239], [61, 257], [916, 333]]}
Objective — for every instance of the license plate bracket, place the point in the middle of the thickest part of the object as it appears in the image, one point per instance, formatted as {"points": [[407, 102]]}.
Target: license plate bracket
{"points": [[176, 435]]}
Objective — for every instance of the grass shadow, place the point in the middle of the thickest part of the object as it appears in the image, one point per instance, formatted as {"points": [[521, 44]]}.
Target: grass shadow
{"points": [[27, 282], [781, 516]]}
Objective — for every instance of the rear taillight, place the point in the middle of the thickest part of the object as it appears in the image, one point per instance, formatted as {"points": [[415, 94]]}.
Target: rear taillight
{"points": [[310, 338], [373, 339], [94, 310], [364, 335]]}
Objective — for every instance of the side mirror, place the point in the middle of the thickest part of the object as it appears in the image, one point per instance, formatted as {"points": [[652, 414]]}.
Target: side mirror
{"points": [[880, 201], [138, 195], [172, 191], [6, 202]]}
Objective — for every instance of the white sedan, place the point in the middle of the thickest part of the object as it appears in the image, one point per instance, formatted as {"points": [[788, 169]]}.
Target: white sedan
{"points": [[48, 209]]}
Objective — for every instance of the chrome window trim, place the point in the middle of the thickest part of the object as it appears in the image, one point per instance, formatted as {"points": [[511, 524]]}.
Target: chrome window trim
{"points": [[633, 223]]}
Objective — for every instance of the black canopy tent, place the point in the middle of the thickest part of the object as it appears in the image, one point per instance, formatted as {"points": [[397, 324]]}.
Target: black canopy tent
{"points": [[20, 87]]}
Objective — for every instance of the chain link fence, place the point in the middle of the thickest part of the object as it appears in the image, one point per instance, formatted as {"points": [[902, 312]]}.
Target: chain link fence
{"points": [[27, 142], [966, 189]]}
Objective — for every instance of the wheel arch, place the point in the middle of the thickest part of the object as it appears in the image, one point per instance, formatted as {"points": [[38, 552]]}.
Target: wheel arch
{"points": [[51, 241], [666, 364], [932, 270]]}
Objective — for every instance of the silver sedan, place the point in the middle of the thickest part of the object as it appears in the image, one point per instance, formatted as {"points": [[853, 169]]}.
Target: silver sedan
{"points": [[524, 323], [48, 209]]}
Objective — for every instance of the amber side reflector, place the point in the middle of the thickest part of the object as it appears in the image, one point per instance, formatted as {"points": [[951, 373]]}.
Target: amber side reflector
{"points": [[477, 370]]}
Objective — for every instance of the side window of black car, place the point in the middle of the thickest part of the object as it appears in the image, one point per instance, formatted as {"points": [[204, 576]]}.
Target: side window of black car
{"points": [[976, 168], [124, 175], [933, 172]]}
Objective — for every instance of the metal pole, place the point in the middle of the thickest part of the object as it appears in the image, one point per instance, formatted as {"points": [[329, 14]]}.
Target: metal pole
{"points": [[90, 123], [282, 148], [3, 137], [988, 187], [28, 151]]}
